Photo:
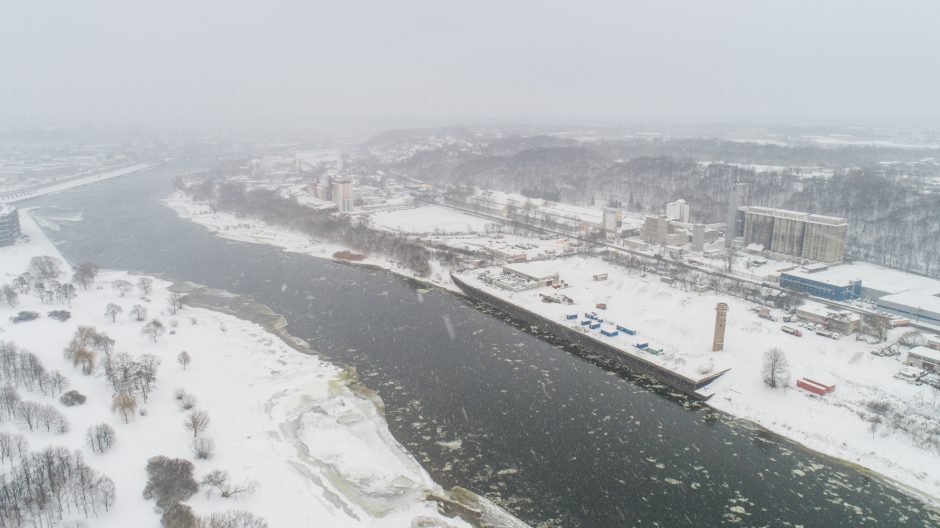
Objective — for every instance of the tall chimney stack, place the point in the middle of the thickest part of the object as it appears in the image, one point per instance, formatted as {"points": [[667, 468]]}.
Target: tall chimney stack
{"points": [[721, 315]]}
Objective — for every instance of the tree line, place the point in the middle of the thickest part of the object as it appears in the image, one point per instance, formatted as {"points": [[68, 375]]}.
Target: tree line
{"points": [[272, 208]]}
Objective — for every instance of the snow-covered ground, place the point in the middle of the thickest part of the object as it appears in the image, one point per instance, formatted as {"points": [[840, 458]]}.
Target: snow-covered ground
{"points": [[320, 453], [431, 219], [15, 196], [631, 303], [682, 324], [231, 227]]}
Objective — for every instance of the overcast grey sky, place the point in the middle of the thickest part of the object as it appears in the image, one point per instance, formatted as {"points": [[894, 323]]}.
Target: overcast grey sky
{"points": [[174, 62]]}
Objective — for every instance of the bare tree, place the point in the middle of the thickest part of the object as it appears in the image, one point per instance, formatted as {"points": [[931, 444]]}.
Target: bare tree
{"points": [[59, 382], [85, 274], [45, 267], [113, 311], [138, 312], [9, 295], [27, 413], [197, 422], [176, 299], [776, 369], [218, 481], [233, 519], [146, 374], [122, 286], [52, 419], [125, 404], [67, 291], [154, 330], [184, 359], [8, 400], [912, 338], [85, 358], [23, 282], [101, 438], [145, 284], [878, 326]]}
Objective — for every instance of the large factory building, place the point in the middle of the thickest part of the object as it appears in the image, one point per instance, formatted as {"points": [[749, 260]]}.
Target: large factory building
{"points": [[803, 235]]}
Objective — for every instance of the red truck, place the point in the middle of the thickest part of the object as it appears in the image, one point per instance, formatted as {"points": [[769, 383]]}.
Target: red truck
{"points": [[792, 331]]}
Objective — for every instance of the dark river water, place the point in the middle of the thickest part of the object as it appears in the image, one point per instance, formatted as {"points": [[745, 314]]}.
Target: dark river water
{"points": [[555, 438]]}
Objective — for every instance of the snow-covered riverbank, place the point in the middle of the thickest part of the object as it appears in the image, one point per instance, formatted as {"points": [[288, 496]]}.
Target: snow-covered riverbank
{"points": [[840, 424], [872, 419], [318, 451], [231, 227]]}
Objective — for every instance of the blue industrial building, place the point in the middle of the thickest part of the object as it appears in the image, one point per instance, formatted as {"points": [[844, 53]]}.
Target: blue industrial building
{"points": [[820, 287]]}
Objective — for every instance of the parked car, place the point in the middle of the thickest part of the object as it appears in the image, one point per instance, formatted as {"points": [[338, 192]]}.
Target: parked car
{"points": [[932, 379], [910, 374]]}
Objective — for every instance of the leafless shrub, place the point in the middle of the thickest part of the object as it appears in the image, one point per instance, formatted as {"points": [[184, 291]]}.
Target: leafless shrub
{"points": [[197, 422], [203, 448], [186, 402]]}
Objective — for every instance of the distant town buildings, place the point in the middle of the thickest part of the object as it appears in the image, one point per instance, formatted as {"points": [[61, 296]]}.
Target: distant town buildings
{"points": [[612, 220], [803, 235], [342, 194], [658, 229], [9, 225], [674, 229], [322, 190], [678, 210]]}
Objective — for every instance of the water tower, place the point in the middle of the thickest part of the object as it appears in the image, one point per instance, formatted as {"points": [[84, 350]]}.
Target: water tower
{"points": [[721, 315]]}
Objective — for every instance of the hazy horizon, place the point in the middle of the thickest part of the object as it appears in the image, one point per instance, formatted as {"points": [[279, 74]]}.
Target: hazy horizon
{"points": [[218, 64]]}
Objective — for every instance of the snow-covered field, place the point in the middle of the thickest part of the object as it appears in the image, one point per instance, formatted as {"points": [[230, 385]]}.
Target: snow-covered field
{"points": [[430, 219], [682, 323], [231, 227], [320, 454]]}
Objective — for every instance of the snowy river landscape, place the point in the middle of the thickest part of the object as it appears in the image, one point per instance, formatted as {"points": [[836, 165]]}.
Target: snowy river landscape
{"points": [[481, 402]]}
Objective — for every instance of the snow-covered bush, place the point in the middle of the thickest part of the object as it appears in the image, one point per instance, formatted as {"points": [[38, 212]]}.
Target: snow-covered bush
{"points": [[24, 316], [169, 481], [71, 398], [60, 315]]}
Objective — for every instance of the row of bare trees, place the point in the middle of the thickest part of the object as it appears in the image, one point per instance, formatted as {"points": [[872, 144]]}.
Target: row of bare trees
{"points": [[42, 487], [272, 208], [23, 369]]}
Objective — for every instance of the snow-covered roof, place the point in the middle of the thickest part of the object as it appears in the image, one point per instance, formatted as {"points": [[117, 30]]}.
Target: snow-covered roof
{"points": [[915, 301], [536, 268], [926, 353], [825, 311], [877, 278], [820, 276]]}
